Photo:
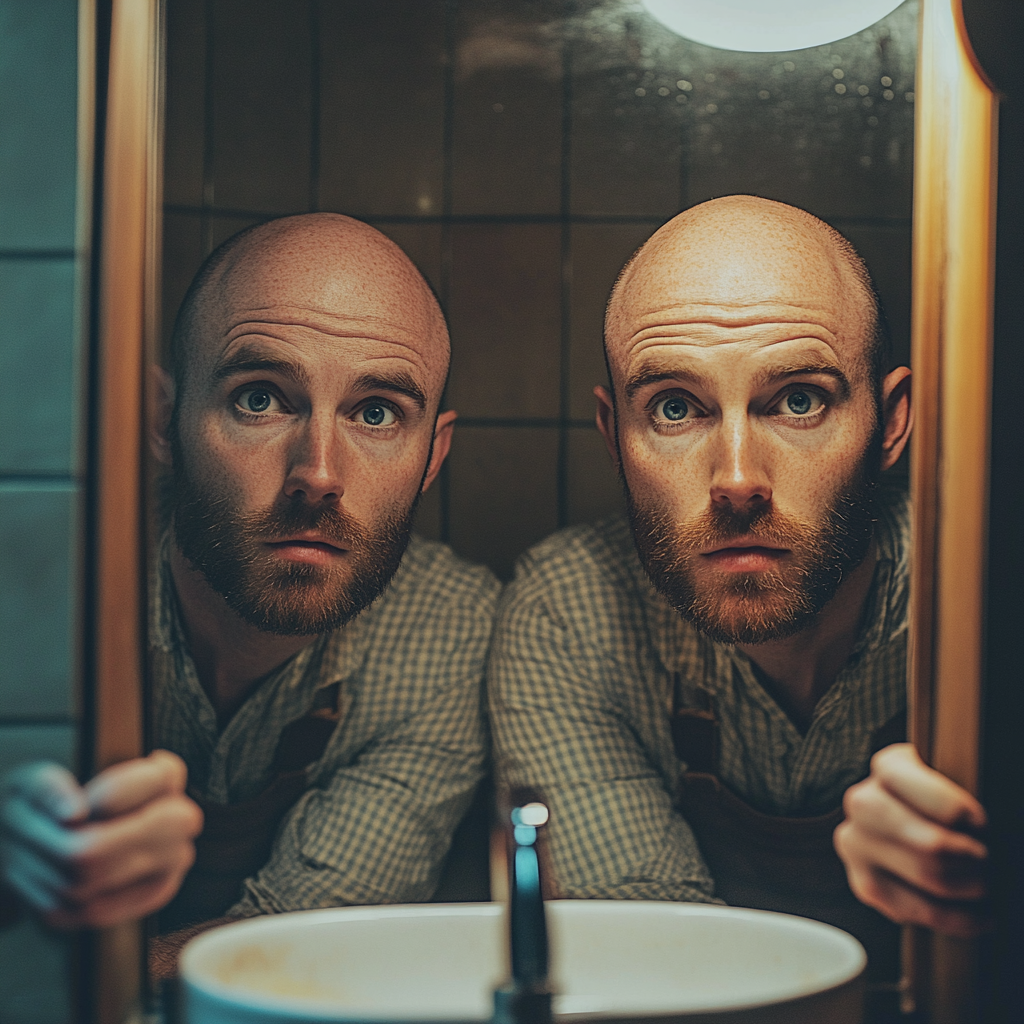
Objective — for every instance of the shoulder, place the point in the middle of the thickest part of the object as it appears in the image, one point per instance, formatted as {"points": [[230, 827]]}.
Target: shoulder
{"points": [[580, 577], [437, 597]]}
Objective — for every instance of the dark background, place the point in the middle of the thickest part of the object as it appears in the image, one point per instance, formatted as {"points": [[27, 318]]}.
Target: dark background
{"points": [[520, 152]]}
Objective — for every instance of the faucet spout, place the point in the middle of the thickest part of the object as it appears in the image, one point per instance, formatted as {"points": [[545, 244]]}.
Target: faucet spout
{"points": [[527, 998]]}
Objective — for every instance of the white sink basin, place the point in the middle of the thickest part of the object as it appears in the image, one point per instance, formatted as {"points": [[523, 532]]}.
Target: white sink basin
{"points": [[610, 960]]}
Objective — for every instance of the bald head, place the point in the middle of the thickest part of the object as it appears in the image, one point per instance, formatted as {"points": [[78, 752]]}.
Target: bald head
{"points": [[743, 255], [321, 265]]}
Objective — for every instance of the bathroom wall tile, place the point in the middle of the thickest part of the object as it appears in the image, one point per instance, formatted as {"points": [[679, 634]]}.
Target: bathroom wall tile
{"points": [[20, 744], [886, 250], [422, 244], [38, 363], [504, 311], [626, 121], [36, 536], [817, 128], [35, 975], [507, 115], [185, 103], [503, 492], [261, 105], [593, 484], [599, 251], [382, 106], [38, 102], [221, 227], [182, 256]]}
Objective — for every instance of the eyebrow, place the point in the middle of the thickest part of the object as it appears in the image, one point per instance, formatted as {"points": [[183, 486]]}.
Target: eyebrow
{"points": [[654, 375], [780, 373], [250, 359], [399, 383]]}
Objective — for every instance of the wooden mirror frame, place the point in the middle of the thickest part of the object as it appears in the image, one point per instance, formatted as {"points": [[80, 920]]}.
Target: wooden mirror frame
{"points": [[953, 272]]}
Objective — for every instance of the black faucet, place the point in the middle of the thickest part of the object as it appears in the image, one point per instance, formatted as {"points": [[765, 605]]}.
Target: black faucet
{"points": [[526, 999]]}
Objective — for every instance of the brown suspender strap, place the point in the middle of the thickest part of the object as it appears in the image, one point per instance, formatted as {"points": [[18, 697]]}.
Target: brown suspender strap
{"points": [[237, 839]]}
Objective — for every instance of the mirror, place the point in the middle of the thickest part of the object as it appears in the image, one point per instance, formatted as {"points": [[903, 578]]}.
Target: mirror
{"points": [[519, 160]]}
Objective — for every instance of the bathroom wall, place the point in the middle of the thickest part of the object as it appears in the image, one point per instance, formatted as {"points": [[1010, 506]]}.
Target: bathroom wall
{"points": [[520, 151], [40, 465]]}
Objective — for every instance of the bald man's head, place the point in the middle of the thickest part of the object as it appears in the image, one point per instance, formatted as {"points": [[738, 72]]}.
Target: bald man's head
{"points": [[746, 252], [324, 262]]}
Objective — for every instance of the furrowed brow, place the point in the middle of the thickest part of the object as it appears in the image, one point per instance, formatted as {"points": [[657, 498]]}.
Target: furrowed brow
{"points": [[777, 374], [399, 383]]}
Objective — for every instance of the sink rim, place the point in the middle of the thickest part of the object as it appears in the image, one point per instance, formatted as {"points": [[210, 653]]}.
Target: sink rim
{"points": [[311, 1010]]}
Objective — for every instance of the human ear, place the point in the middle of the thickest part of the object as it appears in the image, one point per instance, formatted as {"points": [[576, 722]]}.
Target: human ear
{"points": [[442, 444], [897, 415], [605, 419], [161, 407]]}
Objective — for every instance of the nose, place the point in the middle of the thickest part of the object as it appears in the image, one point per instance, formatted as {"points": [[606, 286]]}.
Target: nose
{"points": [[315, 464], [739, 477]]}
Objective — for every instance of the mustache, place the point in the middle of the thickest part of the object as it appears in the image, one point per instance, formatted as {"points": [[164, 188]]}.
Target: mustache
{"points": [[331, 522], [721, 524]]}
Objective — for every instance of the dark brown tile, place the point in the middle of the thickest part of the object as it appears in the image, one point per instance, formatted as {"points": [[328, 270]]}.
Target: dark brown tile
{"points": [[626, 120], [422, 244], [182, 255], [504, 310], [185, 105], [382, 106], [593, 486], [829, 129], [886, 250], [599, 252], [220, 228], [503, 492], [261, 81], [507, 115]]}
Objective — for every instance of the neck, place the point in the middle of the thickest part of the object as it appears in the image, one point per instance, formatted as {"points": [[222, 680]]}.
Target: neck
{"points": [[801, 668], [229, 654]]}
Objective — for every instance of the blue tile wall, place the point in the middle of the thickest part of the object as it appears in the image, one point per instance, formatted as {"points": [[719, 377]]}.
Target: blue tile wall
{"points": [[38, 412], [36, 523], [38, 109], [40, 409]]}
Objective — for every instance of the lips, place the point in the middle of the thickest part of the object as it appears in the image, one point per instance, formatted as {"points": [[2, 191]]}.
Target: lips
{"points": [[307, 547]]}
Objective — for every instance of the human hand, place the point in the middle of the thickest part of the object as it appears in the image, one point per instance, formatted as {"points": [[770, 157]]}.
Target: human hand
{"points": [[908, 846], [91, 856]]}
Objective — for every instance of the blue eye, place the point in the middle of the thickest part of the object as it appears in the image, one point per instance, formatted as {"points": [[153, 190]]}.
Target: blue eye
{"points": [[377, 415], [799, 402], [255, 400], [674, 408]]}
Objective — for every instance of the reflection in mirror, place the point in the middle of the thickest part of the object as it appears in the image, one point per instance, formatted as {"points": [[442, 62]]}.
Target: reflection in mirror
{"points": [[519, 159]]}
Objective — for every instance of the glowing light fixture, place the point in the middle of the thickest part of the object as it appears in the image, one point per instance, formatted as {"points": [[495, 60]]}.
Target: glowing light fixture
{"points": [[768, 25]]}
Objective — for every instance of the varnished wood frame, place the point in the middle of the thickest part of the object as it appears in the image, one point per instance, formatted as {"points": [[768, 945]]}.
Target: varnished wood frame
{"points": [[951, 355], [126, 296]]}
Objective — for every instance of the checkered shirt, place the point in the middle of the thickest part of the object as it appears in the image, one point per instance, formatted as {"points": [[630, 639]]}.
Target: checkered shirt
{"points": [[401, 766], [586, 663]]}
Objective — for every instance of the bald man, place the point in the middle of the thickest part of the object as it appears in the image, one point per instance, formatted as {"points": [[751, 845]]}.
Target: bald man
{"points": [[316, 672], [696, 687]]}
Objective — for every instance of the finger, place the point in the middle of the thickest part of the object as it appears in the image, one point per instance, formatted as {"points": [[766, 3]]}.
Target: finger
{"points": [[29, 887], [116, 852], [875, 809], [50, 788], [938, 874], [135, 901], [127, 786], [904, 905], [24, 823], [900, 769], [20, 861]]}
